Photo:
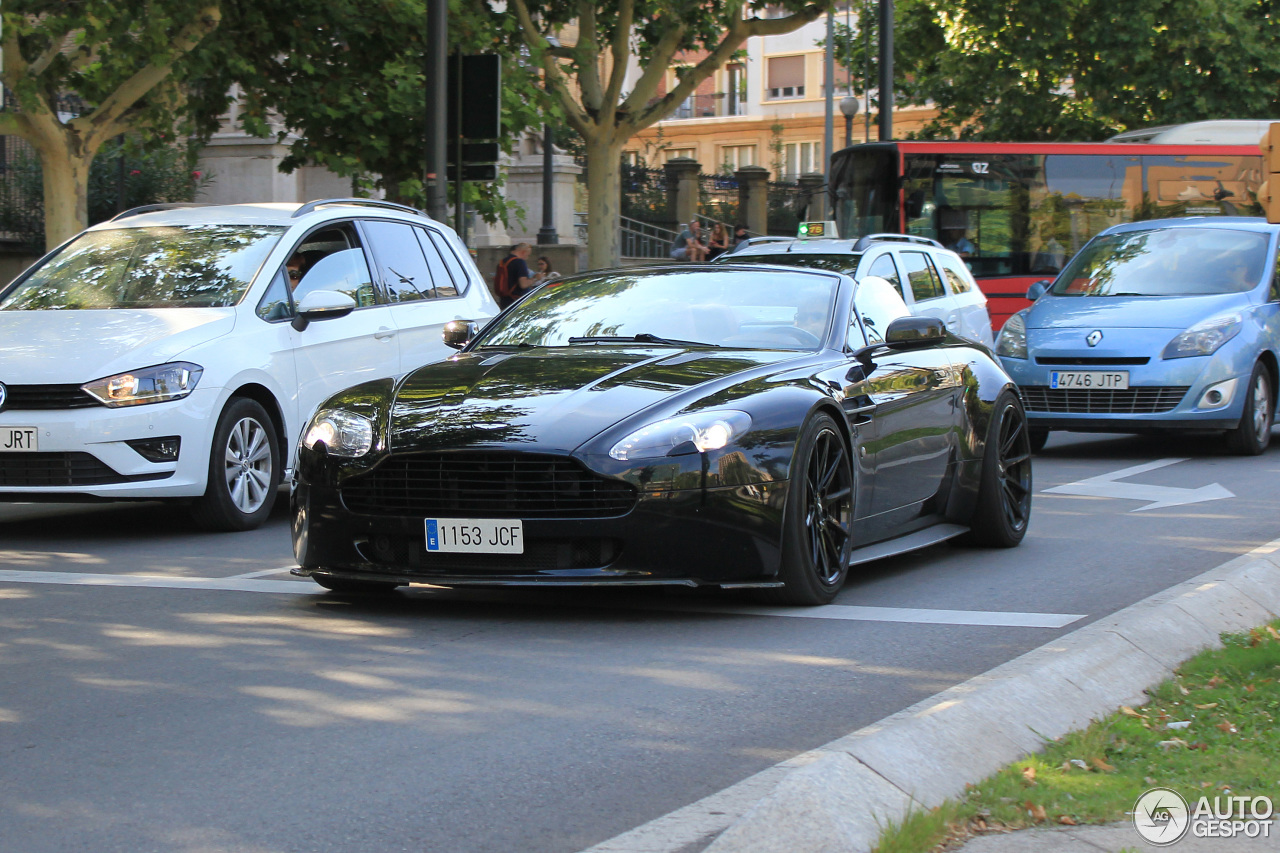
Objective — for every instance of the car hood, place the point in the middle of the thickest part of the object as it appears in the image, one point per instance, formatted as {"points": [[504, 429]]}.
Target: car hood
{"points": [[549, 399], [1130, 312], [66, 347]]}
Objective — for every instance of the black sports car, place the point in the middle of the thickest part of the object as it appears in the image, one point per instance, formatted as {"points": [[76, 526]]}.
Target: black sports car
{"points": [[732, 426]]}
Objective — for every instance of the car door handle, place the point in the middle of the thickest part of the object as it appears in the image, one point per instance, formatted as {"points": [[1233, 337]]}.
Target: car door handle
{"points": [[384, 334]]}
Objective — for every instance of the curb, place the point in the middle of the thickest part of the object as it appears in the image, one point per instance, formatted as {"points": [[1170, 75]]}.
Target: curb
{"points": [[917, 758], [838, 797]]}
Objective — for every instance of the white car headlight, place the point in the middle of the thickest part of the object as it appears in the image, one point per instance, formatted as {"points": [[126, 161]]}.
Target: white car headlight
{"points": [[343, 433], [1204, 338], [148, 385], [1013, 338], [701, 431]]}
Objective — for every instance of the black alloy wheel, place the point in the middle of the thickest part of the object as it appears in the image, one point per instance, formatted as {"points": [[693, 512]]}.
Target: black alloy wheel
{"points": [[1004, 497], [818, 519]]}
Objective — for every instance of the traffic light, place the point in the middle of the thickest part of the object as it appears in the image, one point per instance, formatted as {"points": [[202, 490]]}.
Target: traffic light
{"points": [[1269, 192]]}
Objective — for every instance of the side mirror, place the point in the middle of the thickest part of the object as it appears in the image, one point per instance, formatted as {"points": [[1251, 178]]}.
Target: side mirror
{"points": [[1036, 290], [458, 333], [322, 305], [909, 332]]}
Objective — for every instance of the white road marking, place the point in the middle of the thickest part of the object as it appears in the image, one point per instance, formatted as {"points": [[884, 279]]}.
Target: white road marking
{"points": [[913, 615], [853, 613], [161, 581], [1107, 486]]}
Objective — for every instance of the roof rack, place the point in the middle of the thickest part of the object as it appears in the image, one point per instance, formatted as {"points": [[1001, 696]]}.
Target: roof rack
{"points": [[756, 241], [365, 202], [148, 208], [864, 243]]}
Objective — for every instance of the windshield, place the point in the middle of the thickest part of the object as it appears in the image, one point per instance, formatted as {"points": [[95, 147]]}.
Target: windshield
{"points": [[831, 263], [1167, 262], [196, 266], [733, 308]]}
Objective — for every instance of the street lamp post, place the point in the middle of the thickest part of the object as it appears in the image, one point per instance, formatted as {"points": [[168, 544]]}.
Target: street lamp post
{"points": [[849, 106], [547, 235]]}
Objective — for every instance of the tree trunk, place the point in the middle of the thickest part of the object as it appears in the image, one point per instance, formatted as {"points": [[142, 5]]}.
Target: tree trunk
{"points": [[66, 195], [604, 187]]}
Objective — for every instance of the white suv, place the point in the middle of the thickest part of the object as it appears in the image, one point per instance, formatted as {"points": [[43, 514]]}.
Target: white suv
{"points": [[934, 281], [177, 352]]}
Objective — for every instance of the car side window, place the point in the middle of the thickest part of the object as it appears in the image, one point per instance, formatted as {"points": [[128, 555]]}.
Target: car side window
{"points": [[877, 303], [436, 240], [1274, 295], [923, 278], [445, 284], [274, 304], [957, 275], [884, 267], [345, 272], [405, 273]]}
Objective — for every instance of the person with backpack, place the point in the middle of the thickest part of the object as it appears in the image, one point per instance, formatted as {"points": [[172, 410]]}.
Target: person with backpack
{"points": [[513, 277]]}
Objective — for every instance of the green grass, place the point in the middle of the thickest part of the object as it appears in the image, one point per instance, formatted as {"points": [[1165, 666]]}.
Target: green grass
{"points": [[1230, 697]]}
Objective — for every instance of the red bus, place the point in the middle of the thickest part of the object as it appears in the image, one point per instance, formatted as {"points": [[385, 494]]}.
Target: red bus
{"points": [[1018, 211]]}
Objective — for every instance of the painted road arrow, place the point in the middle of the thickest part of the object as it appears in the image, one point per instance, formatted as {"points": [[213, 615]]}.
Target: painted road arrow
{"points": [[1108, 486]]}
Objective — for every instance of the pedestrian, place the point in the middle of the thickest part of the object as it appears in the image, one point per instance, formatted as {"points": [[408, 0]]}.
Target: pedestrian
{"points": [[513, 278], [544, 271], [718, 242], [740, 236], [688, 246]]}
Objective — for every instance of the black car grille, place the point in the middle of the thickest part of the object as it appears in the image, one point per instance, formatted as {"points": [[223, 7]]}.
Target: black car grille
{"points": [[27, 397], [486, 485], [1144, 400], [409, 553], [63, 469]]}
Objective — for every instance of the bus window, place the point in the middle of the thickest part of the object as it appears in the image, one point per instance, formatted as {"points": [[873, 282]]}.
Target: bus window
{"points": [[1187, 185], [865, 186], [1080, 195]]}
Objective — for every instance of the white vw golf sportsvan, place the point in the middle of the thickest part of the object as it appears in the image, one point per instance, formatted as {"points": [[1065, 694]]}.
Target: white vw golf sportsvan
{"points": [[178, 352]]}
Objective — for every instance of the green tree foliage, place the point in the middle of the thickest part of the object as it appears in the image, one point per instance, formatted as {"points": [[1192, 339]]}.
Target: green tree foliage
{"points": [[342, 81], [123, 62], [1078, 70], [634, 40]]}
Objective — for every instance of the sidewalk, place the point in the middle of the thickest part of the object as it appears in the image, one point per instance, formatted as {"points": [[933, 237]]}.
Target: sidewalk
{"points": [[835, 799], [1111, 838]]}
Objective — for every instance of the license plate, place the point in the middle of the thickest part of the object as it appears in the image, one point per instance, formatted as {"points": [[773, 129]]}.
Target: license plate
{"points": [[18, 440], [1107, 380], [475, 535]]}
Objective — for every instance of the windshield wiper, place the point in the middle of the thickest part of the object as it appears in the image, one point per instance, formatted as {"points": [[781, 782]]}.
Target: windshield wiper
{"points": [[642, 338]]}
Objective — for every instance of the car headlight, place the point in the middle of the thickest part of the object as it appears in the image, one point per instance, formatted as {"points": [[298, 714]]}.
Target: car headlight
{"points": [[149, 385], [1204, 338], [696, 432], [342, 433], [1013, 338]]}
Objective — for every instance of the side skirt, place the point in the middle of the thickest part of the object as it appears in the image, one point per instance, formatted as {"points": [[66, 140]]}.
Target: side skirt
{"points": [[910, 542]]}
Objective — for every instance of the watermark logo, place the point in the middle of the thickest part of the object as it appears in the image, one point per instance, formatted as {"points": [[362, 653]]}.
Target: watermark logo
{"points": [[1161, 816]]}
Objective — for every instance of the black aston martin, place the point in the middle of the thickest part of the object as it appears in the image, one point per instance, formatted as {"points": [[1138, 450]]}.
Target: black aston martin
{"points": [[730, 426]]}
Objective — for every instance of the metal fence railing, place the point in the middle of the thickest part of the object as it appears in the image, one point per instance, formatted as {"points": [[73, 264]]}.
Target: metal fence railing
{"points": [[645, 240]]}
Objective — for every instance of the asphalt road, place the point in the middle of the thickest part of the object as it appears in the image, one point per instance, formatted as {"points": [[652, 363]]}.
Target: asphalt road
{"points": [[264, 716]]}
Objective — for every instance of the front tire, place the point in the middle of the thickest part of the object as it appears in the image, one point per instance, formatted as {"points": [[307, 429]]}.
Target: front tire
{"points": [[244, 470], [817, 534], [1039, 437], [1253, 434], [1004, 495]]}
